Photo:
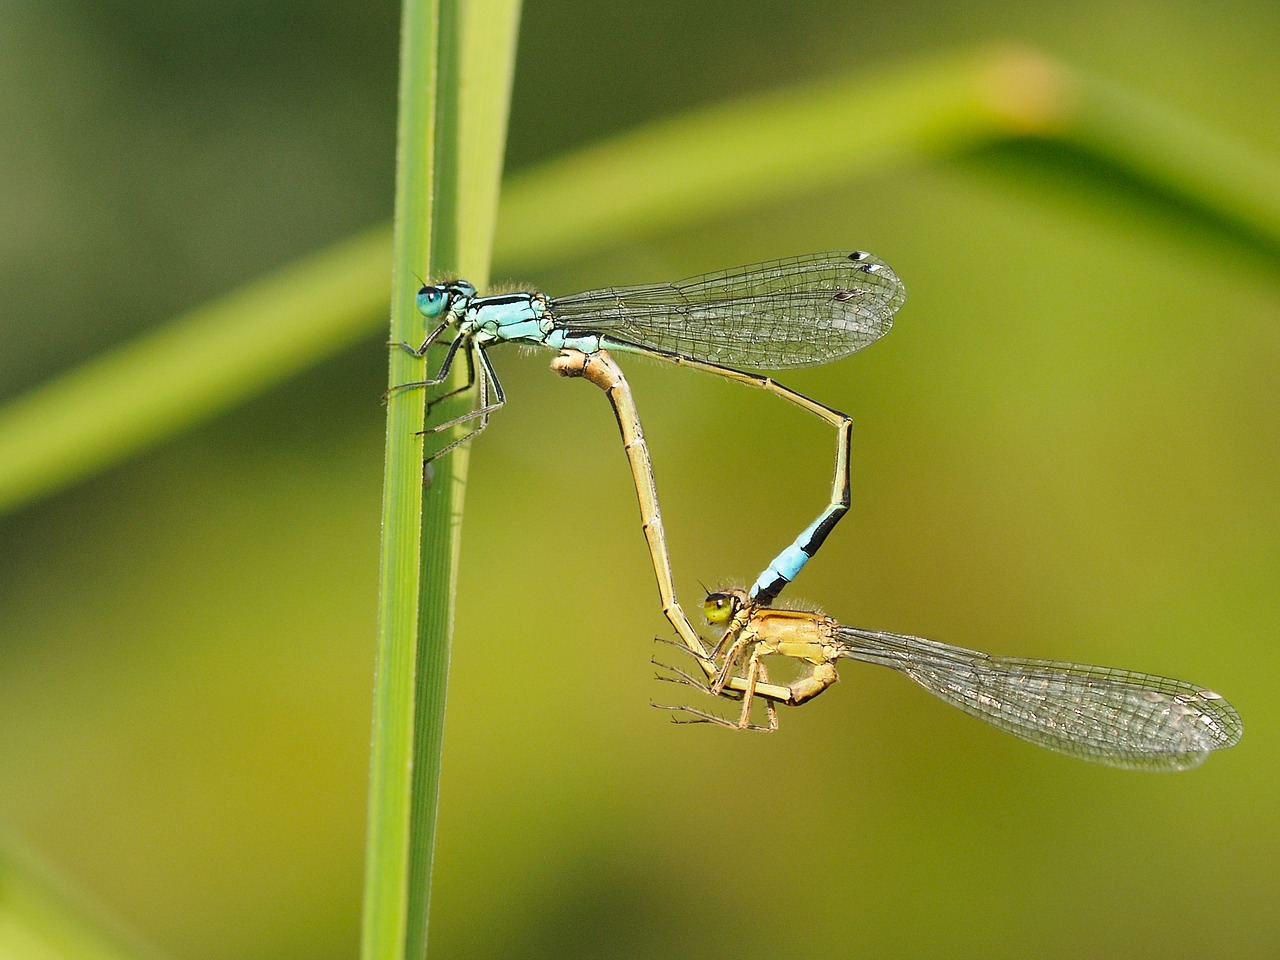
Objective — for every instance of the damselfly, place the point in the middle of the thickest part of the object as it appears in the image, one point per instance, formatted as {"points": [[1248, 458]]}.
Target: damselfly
{"points": [[774, 315], [1118, 717]]}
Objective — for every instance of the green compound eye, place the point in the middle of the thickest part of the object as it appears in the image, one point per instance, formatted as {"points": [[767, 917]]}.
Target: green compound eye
{"points": [[718, 608]]}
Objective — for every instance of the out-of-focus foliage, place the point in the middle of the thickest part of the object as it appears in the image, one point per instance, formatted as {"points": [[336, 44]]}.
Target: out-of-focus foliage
{"points": [[1067, 447]]}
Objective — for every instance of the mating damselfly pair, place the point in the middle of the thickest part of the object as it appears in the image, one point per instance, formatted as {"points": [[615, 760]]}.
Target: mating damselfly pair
{"points": [[790, 313]]}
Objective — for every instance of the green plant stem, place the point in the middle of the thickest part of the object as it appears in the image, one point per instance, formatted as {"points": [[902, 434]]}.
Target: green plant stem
{"points": [[457, 63], [389, 910]]}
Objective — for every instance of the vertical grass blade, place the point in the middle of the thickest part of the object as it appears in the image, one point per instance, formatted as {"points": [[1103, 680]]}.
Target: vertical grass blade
{"points": [[389, 852], [457, 62], [470, 149]]}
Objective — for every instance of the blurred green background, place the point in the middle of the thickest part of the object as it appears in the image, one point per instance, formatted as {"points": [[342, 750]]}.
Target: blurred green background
{"points": [[1067, 447]]}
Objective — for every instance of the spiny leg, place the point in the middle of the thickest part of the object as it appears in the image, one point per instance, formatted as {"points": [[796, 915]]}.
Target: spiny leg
{"points": [[487, 377], [706, 661], [427, 343], [756, 673], [731, 655], [466, 386], [445, 365], [674, 674], [703, 716]]}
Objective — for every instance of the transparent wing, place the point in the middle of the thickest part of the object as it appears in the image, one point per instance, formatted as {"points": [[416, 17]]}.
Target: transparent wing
{"points": [[1116, 717], [782, 313]]}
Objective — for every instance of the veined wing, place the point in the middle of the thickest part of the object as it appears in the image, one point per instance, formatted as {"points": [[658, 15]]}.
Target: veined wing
{"points": [[781, 313], [1116, 717]]}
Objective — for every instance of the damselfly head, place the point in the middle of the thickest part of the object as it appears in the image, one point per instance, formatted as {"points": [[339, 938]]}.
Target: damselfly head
{"points": [[437, 299]]}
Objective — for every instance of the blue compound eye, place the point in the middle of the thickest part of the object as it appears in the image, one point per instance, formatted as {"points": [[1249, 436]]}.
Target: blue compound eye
{"points": [[432, 300]]}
